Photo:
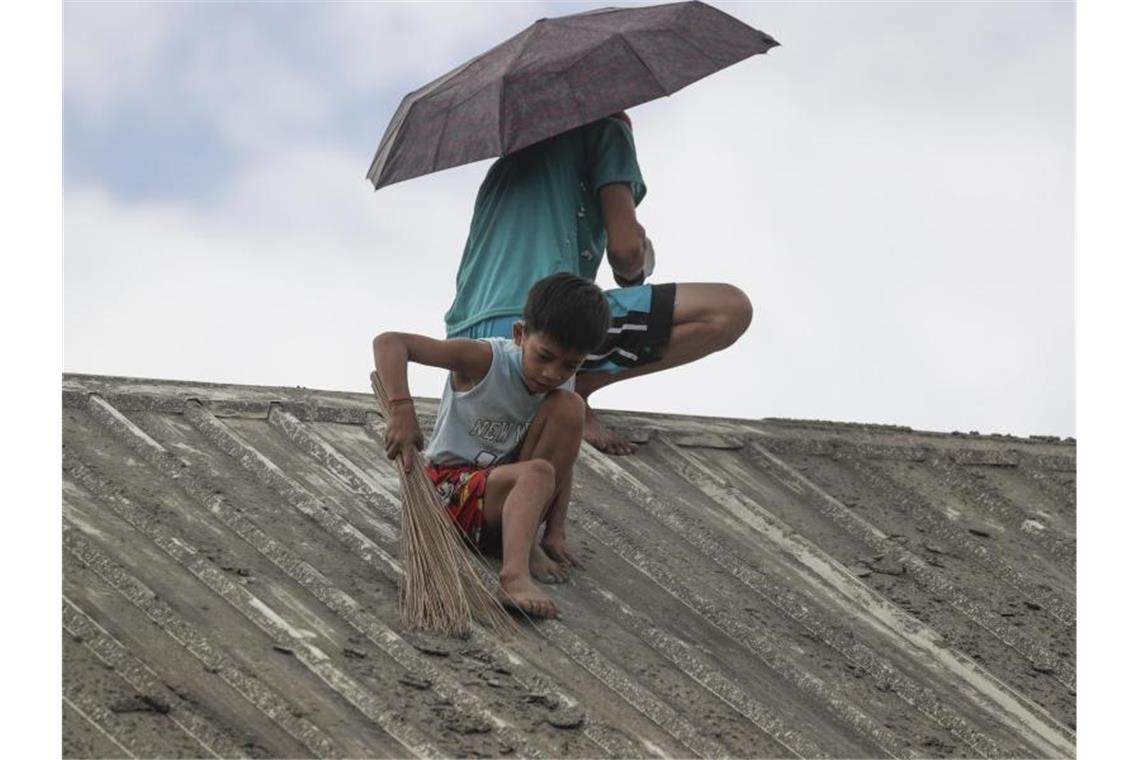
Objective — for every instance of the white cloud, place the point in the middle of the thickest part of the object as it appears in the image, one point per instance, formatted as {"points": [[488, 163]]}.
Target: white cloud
{"points": [[892, 187], [284, 282], [178, 66], [404, 45], [110, 52], [910, 253]]}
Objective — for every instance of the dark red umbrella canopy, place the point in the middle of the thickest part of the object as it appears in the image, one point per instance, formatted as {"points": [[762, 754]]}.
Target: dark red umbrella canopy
{"points": [[558, 74]]}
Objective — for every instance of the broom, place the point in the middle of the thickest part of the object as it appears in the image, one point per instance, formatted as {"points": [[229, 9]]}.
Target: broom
{"points": [[442, 591]]}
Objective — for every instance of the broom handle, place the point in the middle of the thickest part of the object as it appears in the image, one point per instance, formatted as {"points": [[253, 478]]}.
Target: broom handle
{"points": [[381, 396], [386, 414]]}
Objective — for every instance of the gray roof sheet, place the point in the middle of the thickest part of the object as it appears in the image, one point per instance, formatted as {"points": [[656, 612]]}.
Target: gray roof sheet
{"points": [[771, 588]]}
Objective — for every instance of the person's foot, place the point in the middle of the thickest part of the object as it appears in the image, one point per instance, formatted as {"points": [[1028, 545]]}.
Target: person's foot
{"points": [[560, 551], [602, 438], [523, 595], [545, 569]]}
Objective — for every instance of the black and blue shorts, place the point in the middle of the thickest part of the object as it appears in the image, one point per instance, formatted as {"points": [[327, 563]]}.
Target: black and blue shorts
{"points": [[642, 320]]}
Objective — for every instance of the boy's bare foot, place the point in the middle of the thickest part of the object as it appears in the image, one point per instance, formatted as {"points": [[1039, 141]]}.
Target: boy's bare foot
{"points": [[559, 551], [522, 594], [545, 569], [602, 438]]}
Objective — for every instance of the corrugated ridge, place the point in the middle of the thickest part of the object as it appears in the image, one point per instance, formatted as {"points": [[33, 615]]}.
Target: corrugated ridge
{"points": [[272, 705], [1000, 507], [640, 697], [950, 533], [335, 462], [1029, 718], [91, 719], [933, 581], [98, 716], [259, 613], [145, 681], [755, 640], [1048, 482], [738, 628], [925, 575], [703, 671]]}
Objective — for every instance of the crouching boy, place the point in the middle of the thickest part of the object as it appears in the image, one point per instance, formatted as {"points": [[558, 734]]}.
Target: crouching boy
{"points": [[509, 425]]}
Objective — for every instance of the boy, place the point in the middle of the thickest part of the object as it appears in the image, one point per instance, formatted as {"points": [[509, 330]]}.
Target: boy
{"points": [[507, 434]]}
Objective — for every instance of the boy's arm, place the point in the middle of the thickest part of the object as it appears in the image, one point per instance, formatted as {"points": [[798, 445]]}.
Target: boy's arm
{"points": [[468, 359], [625, 237]]}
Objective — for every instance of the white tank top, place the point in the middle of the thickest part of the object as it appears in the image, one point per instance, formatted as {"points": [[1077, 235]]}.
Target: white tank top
{"points": [[485, 424]]}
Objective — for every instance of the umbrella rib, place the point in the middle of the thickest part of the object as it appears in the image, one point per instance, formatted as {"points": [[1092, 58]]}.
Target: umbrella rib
{"points": [[694, 46], [688, 10], [385, 147], [451, 107], [576, 21], [583, 55], [503, 88], [439, 140], [474, 93], [446, 82], [641, 60]]}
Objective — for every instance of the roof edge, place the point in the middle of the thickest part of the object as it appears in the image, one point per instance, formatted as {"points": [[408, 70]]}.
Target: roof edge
{"points": [[230, 399]]}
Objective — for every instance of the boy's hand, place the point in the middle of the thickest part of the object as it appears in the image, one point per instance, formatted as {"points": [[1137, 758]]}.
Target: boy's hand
{"points": [[403, 436]]}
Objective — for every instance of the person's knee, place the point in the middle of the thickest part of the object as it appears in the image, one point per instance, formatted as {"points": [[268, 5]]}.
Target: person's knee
{"points": [[538, 474], [741, 306], [567, 409], [735, 314]]}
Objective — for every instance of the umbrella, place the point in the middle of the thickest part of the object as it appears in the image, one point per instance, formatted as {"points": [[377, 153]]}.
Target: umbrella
{"points": [[558, 74]]}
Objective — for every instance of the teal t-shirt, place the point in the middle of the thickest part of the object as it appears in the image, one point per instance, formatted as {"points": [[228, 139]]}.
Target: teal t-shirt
{"points": [[538, 212]]}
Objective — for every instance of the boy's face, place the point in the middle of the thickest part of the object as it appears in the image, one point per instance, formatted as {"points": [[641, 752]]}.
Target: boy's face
{"points": [[545, 363]]}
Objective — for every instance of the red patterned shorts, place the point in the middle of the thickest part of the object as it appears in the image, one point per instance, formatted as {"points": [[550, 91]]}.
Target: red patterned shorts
{"points": [[461, 488]]}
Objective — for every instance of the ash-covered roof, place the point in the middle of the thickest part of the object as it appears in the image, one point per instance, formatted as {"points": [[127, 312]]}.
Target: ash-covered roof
{"points": [[769, 588]]}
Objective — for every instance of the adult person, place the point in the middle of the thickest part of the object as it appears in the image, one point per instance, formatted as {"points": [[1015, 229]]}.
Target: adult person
{"points": [[556, 206]]}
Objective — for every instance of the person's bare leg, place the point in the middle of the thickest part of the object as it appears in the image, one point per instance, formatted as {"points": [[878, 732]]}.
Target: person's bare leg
{"points": [[707, 317], [516, 498], [521, 495], [555, 436], [554, 541]]}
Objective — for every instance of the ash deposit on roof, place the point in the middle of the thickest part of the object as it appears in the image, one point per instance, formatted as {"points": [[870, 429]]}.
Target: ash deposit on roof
{"points": [[770, 588]]}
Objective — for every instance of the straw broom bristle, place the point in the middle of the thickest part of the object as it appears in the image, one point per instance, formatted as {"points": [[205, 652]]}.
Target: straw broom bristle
{"points": [[442, 591]]}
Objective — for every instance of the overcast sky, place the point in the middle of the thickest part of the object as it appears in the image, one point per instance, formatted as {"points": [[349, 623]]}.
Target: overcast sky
{"points": [[893, 188]]}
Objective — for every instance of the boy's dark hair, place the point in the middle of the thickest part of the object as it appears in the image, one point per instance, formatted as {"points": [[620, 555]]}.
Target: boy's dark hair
{"points": [[571, 310]]}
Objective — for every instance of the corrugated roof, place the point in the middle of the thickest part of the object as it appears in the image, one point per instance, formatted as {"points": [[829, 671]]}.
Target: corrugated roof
{"points": [[769, 588]]}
